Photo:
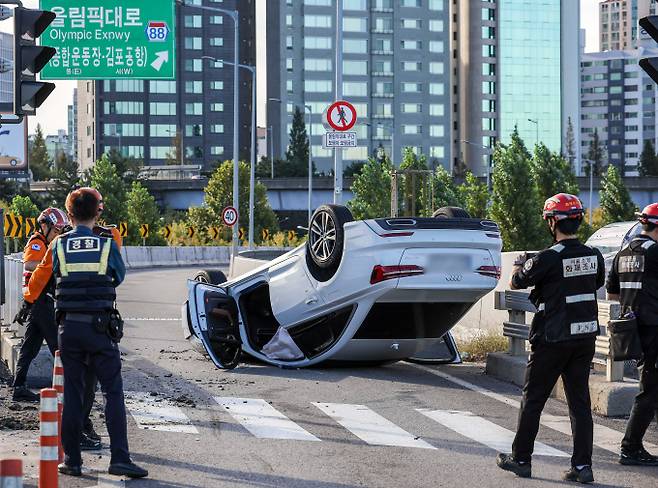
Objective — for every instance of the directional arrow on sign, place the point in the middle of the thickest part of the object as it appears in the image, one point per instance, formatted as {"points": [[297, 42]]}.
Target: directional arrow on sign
{"points": [[166, 232], [13, 225], [241, 234], [161, 58], [123, 229], [190, 232], [144, 231], [30, 226], [214, 233]]}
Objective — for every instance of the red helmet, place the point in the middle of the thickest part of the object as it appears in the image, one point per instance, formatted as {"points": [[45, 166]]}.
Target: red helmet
{"points": [[98, 196], [649, 215], [54, 217], [563, 206]]}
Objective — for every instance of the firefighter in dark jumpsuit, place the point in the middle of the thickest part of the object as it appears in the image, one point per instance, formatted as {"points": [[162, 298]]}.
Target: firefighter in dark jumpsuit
{"points": [[633, 281], [88, 268], [566, 278], [40, 315]]}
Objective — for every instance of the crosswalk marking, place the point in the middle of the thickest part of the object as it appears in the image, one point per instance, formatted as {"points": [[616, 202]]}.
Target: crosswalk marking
{"points": [[370, 426], [263, 420], [153, 415], [604, 437], [483, 431]]}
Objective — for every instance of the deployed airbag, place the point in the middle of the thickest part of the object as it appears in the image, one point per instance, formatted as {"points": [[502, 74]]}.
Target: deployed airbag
{"points": [[282, 347]]}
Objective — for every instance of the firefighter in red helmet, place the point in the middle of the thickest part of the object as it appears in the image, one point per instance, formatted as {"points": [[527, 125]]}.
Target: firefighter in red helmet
{"points": [[566, 278], [633, 280], [40, 316]]}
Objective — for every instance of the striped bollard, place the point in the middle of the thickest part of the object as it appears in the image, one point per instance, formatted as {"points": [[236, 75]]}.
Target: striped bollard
{"points": [[11, 473], [49, 439], [58, 385]]}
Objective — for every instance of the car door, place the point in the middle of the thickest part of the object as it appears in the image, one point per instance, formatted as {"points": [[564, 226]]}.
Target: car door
{"points": [[214, 320]]}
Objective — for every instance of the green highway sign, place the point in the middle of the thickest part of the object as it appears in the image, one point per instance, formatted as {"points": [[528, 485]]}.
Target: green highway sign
{"points": [[111, 39]]}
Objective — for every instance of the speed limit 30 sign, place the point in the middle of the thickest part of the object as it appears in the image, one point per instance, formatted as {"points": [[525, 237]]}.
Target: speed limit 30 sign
{"points": [[230, 216]]}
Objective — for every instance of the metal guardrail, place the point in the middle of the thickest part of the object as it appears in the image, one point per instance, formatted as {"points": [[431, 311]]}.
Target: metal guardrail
{"points": [[516, 329], [13, 293]]}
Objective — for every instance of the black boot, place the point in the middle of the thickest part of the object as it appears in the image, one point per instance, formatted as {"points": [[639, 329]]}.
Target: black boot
{"points": [[69, 470], [639, 457], [88, 430], [89, 444], [129, 469], [508, 463], [22, 394], [584, 475]]}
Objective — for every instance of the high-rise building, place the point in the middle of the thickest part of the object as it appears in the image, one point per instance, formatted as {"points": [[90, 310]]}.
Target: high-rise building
{"points": [[396, 71], [516, 66], [619, 103], [57, 144], [7, 79], [151, 120], [72, 111], [618, 22]]}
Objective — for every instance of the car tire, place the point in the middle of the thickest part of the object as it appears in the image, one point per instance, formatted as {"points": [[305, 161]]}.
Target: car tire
{"points": [[451, 213], [326, 236], [211, 276]]}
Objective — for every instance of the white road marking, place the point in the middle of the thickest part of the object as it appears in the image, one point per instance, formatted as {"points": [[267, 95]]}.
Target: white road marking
{"points": [[371, 427], [153, 415], [263, 420], [604, 437], [483, 431]]}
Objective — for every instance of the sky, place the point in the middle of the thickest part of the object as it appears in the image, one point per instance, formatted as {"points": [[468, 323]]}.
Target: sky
{"points": [[52, 115]]}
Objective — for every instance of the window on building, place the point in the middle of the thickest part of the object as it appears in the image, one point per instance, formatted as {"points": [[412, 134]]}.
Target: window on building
{"points": [[216, 19], [355, 46], [412, 44], [193, 21], [436, 46], [162, 108], [437, 89], [383, 24], [318, 21], [409, 129], [216, 41], [289, 64], [194, 109], [488, 105], [412, 66], [193, 43], [383, 67], [355, 89], [195, 65], [162, 130], [489, 124], [355, 24], [488, 32], [216, 85], [411, 23], [435, 4], [437, 68], [383, 109], [288, 42], [125, 130], [488, 14], [488, 87], [317, 42], [488, 69], [318, 64], [410, 3], [354, 4], [216, 107], [217, 128], [384, 88], [488, 51], [195, 130], [162, 152], [318, 86], [161, 86], [124, 108], [437, 109], [411, 108], [354, 68], [216, 150], [412, 87], [437, 152], [383, 45], [436, 25]]}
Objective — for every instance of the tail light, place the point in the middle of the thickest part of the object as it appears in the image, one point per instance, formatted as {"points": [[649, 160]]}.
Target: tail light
{"points": [[382, 273], [491, 271], [397, 234]]}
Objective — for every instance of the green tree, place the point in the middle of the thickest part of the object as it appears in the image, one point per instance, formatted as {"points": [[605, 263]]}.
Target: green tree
{"points": [[24, 207], [552, 173], [38, 158], [127, 168], [515, 202], [446, 193], [413, 187], [648, 165], [474, 196], [353, 169], [297, 153], [219, 195], [372, 190], [595, 155], [616, 202], [64, 179], [104, 177], [142, 209]]}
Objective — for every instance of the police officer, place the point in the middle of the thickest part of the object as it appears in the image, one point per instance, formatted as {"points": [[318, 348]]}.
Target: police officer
{"points": [[88, 268], [633, 280], [40, 316], [566, 278]]}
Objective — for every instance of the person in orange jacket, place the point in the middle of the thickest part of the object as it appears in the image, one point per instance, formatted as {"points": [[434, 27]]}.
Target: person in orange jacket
{"points": [[40, 278], [40, 317]]}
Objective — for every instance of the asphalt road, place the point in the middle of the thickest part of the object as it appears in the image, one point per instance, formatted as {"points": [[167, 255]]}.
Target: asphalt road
{"points": [[258, 426]]}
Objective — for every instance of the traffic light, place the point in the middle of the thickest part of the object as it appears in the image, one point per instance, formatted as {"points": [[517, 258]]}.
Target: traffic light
{"points": [[29, 59], [650, 65]]}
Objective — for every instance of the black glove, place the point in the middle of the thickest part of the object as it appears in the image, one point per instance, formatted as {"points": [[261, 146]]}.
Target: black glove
{"points": [[23, 313]]}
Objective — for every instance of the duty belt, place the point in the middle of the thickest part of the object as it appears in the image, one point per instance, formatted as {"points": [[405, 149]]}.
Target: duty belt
{"points": [[83, 318]]}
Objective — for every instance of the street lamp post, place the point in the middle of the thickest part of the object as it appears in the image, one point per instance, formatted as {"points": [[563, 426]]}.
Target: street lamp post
{"points": [[252, 170], [310, 160], [235, 16], [277, 100], [536, 122]]}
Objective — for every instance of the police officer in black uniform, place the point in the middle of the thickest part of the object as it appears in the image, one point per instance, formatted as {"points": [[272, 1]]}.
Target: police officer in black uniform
{"points": [[566, 278], [633, 280], [88, 268]]}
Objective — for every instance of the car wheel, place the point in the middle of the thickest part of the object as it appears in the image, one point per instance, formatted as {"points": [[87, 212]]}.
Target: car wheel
{"points": [[324, 247], [211, 276], [451, 213], [13, 162]]}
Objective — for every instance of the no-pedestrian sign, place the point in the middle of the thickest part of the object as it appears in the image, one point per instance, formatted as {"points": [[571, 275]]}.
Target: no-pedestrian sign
{"points": [[340, 116], [110, 39], [230, 216]]}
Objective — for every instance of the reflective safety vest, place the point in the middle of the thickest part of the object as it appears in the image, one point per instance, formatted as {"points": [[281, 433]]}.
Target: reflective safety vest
{"points": [[638, 289], [83, 283], [569, 309], [35, 249]]}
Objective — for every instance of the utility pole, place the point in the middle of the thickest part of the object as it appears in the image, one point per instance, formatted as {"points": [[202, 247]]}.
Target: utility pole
{"points": [[338, 153]]}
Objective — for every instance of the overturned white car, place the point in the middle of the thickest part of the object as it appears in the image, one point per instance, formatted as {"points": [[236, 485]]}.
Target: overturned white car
{"points": [[369, 291]]}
